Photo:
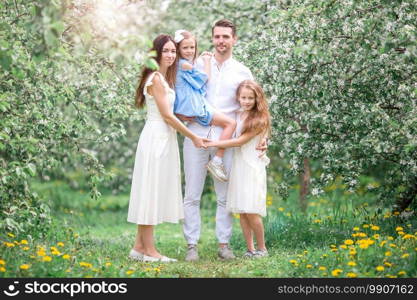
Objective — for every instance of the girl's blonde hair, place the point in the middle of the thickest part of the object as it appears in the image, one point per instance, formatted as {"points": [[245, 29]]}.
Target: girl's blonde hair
{"points": [[258, 118], [188, 35]]}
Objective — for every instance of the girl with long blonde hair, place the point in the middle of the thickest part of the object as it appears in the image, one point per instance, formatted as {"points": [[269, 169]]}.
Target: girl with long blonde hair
{"points": [[246, 193]]}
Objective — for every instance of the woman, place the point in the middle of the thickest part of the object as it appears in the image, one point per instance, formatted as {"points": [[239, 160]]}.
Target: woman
{"points": [[156, 185]]}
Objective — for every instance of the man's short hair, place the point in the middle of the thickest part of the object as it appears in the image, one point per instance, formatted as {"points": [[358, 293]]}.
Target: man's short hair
{"points": [[224, 23]]}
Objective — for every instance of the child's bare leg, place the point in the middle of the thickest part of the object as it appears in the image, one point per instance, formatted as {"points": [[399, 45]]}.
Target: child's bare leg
{"points": [[247, 232], [257, 226], [228, 125]]}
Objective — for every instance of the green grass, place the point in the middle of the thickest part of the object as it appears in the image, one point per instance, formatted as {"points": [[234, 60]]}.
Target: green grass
{"points": [[97, 235]]}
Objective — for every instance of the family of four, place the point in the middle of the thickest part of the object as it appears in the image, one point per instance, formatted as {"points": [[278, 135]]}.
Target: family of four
{"points": [[226, 124]]}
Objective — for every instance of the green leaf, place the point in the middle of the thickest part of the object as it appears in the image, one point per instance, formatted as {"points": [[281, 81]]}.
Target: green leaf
{"points": [[31, 169]]}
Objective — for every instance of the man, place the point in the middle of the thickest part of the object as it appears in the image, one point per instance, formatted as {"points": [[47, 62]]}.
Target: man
{"points": [[226, 74]]}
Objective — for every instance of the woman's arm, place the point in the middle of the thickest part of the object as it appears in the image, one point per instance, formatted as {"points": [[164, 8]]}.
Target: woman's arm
{"points": [[158, 91], [236, 142]]}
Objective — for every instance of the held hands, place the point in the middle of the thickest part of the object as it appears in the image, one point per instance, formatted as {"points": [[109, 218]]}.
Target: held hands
{"points": [[200, 142]]}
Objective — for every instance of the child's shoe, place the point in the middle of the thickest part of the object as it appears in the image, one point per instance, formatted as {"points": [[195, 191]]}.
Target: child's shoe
{"points": [[261, 253], [217, 170], [249, 254]]}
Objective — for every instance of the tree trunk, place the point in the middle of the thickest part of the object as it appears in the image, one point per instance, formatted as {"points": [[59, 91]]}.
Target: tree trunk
{"points": [[407, 197], [304, 185]]}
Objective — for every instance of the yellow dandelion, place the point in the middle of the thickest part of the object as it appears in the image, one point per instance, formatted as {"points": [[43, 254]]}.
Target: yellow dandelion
{"points": [[365, 226], [352, 251], [337, 272], [396, 213], [309, 266], [351, 275], [408, 236], [2, 269], [415, 248], [351, 264], [349, 242], [288, 214], [402, 273], [46, 258], [85, 264], [9, 245], [393, 245], [107, 264], [333, 250], [25, 248], [380, 268], [388, 253], [382, 243], [24, 242], [2, 262], [356, 228], [333, 246], [236, 216], [24, 267], [322, 268], [293, 261], [317, 221], [391, 276], [269, 203], [11, 234], [157, 270], [129, 272], [401, 232], [41, 252], [376, 236], [60, 244], [343, 247], [388, 264], [390, 238], [362, 234], [375, 228], [399, 228], [281, 208], [66, 256], [405, 255]]}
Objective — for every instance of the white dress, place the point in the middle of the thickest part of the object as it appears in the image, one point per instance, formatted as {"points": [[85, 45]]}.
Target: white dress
{"points": [[247, 181], [156, 195]]}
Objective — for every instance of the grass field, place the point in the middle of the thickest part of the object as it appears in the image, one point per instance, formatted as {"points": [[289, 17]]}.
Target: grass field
{"points": [[341, 235]]}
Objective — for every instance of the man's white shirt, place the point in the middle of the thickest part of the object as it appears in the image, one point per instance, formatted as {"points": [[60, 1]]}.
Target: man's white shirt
{"points": [[222, 86]]}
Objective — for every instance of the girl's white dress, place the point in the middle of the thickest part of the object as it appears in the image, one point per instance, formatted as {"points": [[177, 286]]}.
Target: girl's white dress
{"points": [[156, 195], [247, 181]]}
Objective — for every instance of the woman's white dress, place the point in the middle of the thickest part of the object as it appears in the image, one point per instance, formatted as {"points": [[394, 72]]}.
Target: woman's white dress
{"points": [[156, 195], [247, 181]]}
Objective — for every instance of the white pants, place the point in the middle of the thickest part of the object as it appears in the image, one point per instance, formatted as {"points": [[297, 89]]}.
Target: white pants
{"points": [[195, 161]]}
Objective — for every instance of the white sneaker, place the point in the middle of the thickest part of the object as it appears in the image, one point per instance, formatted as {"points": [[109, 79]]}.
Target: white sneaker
{"points": [[135, 255], [217, 170]]}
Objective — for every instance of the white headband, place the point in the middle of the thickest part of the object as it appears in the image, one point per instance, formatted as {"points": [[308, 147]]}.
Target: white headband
{"points": [[178, 36]]}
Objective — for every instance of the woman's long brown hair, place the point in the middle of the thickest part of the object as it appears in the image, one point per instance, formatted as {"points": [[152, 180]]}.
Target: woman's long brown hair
{"points": [[158, 45], [258, 118]]}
